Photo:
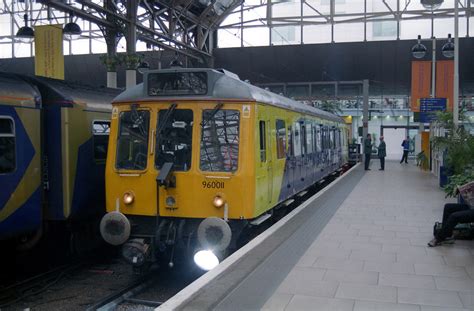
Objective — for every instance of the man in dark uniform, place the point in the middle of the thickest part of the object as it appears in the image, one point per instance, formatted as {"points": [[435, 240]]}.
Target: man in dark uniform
{"points": [[367, 151], [382, 153], [406, 149]]}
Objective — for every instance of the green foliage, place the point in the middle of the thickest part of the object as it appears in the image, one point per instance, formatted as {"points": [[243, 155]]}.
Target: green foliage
{"points": [[458, 180], [458, 143], [459, 146], [330, 106], [110, 63]]}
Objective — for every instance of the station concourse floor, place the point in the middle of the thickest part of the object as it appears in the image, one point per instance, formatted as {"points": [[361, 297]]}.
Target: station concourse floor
{"points": [[372, 253]]}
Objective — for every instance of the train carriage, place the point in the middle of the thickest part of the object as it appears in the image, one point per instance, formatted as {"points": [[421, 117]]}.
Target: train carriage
{"points": [[197, 155], [53, 144]]}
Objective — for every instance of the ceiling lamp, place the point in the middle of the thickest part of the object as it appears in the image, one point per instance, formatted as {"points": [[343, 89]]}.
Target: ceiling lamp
{"points": [[448, 48], [71, 30], [25, 34], [418, 50], [431, 4]]}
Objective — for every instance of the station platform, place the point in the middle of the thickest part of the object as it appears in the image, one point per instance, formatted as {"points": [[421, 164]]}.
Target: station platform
{"points": [[360, 244]]}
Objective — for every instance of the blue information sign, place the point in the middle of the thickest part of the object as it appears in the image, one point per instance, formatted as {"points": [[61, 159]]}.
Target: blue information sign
{"points": [[429, 107]]}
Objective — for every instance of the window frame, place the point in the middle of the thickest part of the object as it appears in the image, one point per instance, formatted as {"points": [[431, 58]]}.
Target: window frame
{"points": [[13, 135], [262, 140], [281, 154], [239, 133], [147, 141], [100, 134]]}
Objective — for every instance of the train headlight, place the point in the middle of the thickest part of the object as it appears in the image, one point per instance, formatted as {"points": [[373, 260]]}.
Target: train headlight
{"points": [[206, 260], [218, 201], [128, 198], [170, 201]]}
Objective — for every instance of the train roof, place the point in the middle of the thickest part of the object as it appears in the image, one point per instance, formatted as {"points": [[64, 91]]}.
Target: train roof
{"points": [[15, 91], [68, 93], [221, 84]]}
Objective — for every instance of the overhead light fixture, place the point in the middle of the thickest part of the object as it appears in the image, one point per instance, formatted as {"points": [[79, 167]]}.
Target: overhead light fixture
{"points": [[418, 50], [448, 48], [25, 34], [71, 30], [431, 4]]}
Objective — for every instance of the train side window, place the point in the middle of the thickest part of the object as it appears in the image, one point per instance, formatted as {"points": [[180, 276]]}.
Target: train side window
{"points": [[304, 149], [296, 139], [7, 145], [263, 142], [309, 138], [331, 139], [280, 138], [220, 140], [132, 142], [100, 136], [318, 130]]}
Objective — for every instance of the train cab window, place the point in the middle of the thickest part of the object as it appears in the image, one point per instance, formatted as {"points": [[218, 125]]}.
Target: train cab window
{"points": [[100, 134], [132, 143], [263, 141], [220, 140], [174, 137], [280, 138], [296, 139], [7, 145]]}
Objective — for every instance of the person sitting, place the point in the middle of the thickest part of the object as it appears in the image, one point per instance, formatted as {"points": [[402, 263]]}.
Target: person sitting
{"points": [[454, 214]]}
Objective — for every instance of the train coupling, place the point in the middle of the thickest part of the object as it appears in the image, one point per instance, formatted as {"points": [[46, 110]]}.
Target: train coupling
{"points": [[136, 251]]}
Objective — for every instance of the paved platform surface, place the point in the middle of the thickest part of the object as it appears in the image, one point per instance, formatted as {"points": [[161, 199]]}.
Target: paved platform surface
{"points": [[371, 255]]}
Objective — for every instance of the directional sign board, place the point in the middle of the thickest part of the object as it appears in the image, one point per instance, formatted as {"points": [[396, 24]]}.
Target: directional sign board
{"points": [[429, 107]]}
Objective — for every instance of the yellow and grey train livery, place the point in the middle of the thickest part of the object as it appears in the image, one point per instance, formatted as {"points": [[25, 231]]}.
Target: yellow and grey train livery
{"points": [[196, 156]]}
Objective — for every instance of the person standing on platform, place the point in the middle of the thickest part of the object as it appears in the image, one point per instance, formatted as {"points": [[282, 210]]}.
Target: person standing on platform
{"points": [[382, 153], [406, 149], [367, 151]]}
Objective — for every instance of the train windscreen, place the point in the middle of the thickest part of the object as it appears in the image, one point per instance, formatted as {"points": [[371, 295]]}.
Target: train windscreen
{"points": [[177, 83], [132, 143], [220, 140], [174, 139]]}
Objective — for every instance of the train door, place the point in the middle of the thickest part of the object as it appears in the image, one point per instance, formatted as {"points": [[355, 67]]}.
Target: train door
{"points": [[265, 160]]}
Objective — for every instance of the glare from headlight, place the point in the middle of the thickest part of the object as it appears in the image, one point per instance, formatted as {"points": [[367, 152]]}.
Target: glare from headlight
{"points": [[206, 260], [128, 198]]}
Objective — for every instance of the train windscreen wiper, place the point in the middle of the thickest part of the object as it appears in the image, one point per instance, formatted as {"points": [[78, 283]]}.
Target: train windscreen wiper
{"points": [[212, 114], [164, 122]]}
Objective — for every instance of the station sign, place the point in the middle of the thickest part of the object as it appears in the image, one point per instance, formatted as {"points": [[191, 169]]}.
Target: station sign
{"points": [[429, 107]]}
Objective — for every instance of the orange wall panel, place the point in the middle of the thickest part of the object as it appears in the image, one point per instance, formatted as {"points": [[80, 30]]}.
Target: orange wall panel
{"points": [[420, 83], [444, 81]]}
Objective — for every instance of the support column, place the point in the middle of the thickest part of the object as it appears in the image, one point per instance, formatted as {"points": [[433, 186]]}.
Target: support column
{"points": [[456, 65], [365, 109], [131, 60], [111, 39]]}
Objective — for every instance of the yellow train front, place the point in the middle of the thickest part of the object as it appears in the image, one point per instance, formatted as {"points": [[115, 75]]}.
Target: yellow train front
{"points": [[196, 156]]}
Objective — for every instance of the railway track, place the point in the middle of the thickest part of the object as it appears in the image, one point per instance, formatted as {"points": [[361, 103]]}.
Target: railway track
{"points": [[35, 285]]}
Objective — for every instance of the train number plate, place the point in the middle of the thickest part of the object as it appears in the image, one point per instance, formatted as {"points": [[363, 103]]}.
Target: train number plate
{"points": [[213, 184]]}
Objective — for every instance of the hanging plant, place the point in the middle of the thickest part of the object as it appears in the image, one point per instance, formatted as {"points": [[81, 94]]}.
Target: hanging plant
{"points": [[131, 61], [110, 62]]}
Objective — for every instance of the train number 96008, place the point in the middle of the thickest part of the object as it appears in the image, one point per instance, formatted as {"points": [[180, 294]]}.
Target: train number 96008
{"points": [[213, 184]]}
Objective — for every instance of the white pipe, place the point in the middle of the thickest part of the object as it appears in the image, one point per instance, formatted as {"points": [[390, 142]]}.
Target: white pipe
{"points": [[456, 65]]}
